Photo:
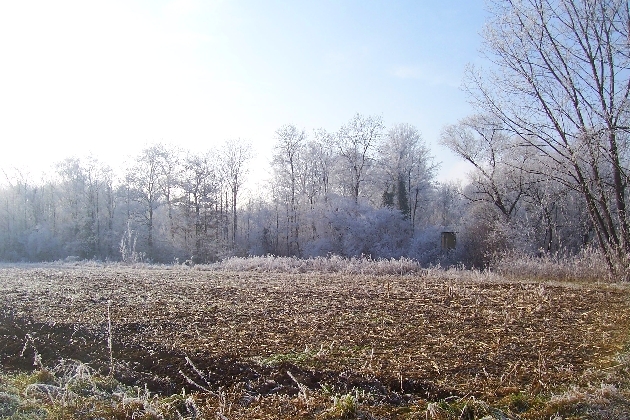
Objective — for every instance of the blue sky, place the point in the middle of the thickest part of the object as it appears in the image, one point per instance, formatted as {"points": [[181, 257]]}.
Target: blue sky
{"points": [[109, 77]]}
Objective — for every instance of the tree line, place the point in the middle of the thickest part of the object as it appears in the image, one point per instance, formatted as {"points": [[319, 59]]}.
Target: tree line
{"points": [[167, 204], [171, 204], [548, 146], [361, 190]]}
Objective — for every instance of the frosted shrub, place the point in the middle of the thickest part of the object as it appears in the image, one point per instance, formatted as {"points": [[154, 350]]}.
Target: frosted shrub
{"points": [[425, 245]]}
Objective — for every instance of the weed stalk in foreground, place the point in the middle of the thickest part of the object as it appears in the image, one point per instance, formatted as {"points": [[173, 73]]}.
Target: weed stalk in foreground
{"points": [[109, 338]]}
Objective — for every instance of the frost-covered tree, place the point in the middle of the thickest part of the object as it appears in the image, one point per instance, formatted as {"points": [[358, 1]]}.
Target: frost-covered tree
{"points": [[198, 225], [169, 170], [233, 158], [143, 179], [26, 213], [290, 172], [500, 176], [321, 154], [84, 209], [74, 217], [407, 170], [498, 188], [447, 205], [356, 143], [555, 219], [107, 234], [562, 87]]}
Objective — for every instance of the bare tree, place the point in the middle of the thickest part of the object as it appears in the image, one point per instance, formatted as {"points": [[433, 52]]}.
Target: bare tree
{"points": [[321, 151], [199, 185], [73, 194], [19, 215], [108, 197], [563, 87], [144, 181], [500, 177], [234, 156], [289, 168], [356, 142], [169, 169]]}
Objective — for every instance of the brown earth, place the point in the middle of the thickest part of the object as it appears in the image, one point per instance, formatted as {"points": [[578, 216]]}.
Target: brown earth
{"points": [[400, 338]]}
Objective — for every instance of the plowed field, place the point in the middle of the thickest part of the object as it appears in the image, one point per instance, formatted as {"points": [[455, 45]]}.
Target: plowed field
{"points": [[399, 338]]}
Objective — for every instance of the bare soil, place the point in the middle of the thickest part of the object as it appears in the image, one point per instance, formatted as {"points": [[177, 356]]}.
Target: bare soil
{"points": [[400, 338]]}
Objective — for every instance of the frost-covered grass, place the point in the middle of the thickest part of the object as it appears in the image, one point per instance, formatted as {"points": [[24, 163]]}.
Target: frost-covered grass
{"points": [[588, 265], [264, 264], [347, 266], [332, 264], [72, 390]]}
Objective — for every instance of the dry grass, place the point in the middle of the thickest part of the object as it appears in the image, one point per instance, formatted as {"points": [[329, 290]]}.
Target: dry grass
{"points": [[589, 265]]}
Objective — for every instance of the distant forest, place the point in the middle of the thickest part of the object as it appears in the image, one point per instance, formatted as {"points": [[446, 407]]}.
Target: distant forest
{"points": [[363, 190]]}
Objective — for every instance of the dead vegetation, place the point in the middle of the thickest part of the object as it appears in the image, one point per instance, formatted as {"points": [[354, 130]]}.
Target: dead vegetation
{"points": [[313, 345]]}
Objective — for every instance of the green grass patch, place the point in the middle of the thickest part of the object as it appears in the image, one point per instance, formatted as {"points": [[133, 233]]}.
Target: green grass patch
{"points": [[299, 358]]}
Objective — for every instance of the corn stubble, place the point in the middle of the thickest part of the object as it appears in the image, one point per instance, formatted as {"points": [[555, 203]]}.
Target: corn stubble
{"points": [[239, 344]]}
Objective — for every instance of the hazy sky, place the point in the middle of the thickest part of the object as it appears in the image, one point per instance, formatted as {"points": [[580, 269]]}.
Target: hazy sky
{"points": [[108, 77]]}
